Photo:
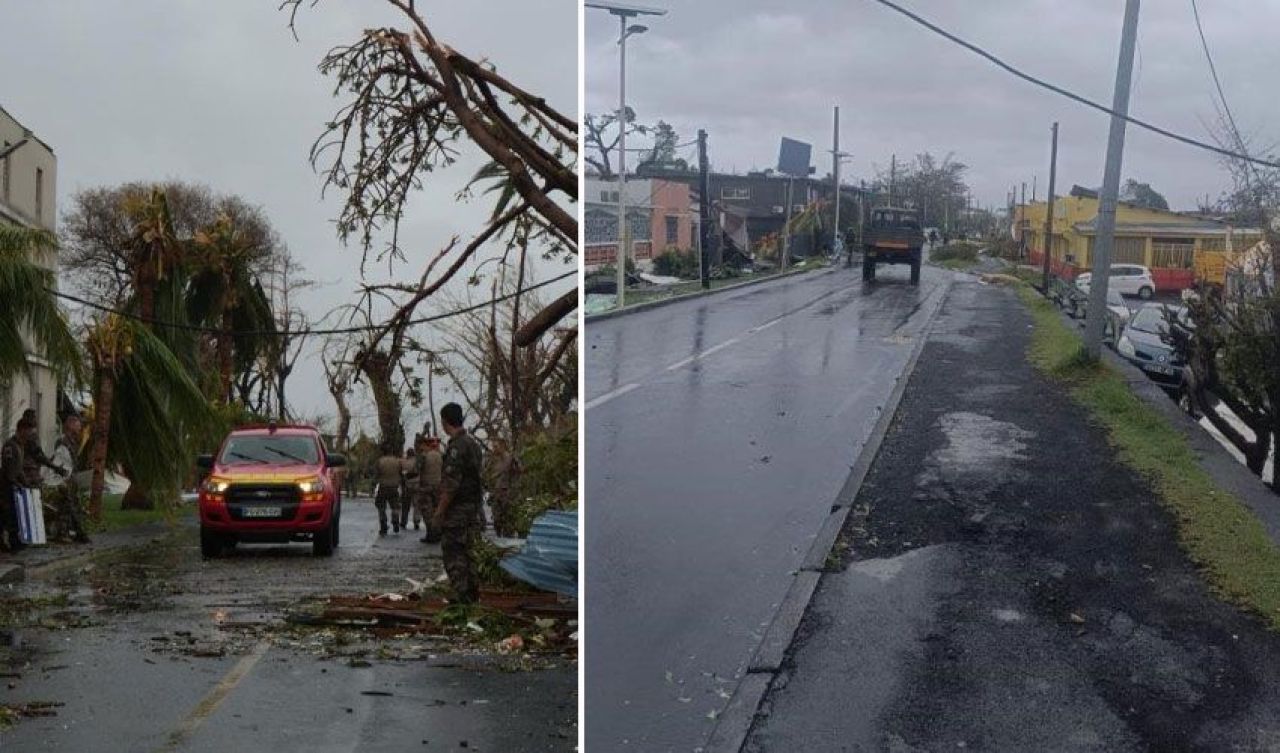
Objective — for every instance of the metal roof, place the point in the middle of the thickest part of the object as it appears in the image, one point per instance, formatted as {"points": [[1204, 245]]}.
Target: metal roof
{"points": [[549, 559], [1172, 229]]}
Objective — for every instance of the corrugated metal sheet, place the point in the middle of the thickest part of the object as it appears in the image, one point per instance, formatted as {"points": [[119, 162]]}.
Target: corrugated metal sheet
{"points": [[549, 559]]}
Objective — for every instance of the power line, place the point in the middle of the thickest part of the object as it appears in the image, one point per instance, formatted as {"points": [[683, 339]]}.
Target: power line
{"points": [[1213, 69], [306, 332], [1069, 94]]}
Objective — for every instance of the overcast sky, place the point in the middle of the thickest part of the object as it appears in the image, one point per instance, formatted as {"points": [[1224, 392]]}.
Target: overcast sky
{"points": [[751, 71], [220, 93]]}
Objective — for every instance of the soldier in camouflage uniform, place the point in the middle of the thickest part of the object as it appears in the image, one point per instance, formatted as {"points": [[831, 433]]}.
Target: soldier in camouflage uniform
{"points": [[430, 467], [460, 496], [12, 478], [388, 496], [33, 455]]}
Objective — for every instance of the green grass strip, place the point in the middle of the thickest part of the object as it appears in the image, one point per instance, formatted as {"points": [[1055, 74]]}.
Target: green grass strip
{"points": [[1218, 532]]}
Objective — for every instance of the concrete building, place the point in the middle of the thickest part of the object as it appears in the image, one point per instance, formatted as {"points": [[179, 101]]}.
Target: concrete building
{"points": [[662, 214], [28, 176], [1166, 242]]}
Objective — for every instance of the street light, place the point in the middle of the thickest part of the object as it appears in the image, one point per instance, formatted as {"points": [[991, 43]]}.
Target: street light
{"points": [[624, 12]]}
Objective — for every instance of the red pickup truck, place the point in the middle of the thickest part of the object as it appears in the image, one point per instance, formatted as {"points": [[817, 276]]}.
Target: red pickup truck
{"points": [[270, 484]]}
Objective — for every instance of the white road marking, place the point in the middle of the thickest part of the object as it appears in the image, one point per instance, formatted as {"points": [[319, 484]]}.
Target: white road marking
{"points": [[606, 397], [764, 326]]}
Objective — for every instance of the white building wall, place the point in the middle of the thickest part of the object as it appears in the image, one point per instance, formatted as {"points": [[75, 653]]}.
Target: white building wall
{"points": [[28, 190]]}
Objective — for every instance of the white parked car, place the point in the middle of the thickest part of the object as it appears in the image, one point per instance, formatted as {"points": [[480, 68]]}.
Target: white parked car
{"points": [[1126, 279]]}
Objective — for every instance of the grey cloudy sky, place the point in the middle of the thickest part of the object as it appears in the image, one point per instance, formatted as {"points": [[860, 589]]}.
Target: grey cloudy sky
{"points": [[750, 71], [220, 93]]}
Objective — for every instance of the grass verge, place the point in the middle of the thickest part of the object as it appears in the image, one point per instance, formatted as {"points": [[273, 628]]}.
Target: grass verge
{"points": [[1216, 529], [114, 518]]}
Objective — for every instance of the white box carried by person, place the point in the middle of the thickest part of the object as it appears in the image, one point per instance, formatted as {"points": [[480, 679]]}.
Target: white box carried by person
{"points": [[30, 512]]}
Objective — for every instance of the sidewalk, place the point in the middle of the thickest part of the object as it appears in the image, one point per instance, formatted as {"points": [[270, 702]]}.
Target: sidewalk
{"points": [[36, 561], [1009, 584]]}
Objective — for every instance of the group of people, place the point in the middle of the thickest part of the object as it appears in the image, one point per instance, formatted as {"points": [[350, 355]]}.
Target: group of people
{"points": [[22, 461], [444, 491]]}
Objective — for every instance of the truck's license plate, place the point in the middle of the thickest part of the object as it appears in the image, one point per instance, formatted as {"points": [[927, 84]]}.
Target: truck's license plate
{"points": [[262, 512]]}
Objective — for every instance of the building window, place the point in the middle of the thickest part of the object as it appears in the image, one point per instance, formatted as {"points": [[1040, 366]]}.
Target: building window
{"points": [[742, 193], [1173, 253], [39, 195], [1129, 251], [673, 230]]}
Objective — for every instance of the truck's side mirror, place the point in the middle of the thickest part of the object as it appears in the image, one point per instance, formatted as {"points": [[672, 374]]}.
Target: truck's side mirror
{"points": [[335, 459], [204, 462]]}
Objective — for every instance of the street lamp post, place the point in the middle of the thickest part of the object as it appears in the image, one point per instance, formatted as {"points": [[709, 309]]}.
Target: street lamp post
{"points": [[624, 12]]}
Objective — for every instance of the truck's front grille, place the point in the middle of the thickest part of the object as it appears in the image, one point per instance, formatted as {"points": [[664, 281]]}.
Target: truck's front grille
{"points": [[244, 500]]}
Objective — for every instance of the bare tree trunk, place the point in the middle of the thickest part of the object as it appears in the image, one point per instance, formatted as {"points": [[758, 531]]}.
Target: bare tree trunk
{"points": [[103, 396], [225, 359], [517, 403], [377, 368], [431, 394]]}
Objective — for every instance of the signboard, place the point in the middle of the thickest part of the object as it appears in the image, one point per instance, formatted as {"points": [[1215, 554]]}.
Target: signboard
{"points": [[793, 157]]}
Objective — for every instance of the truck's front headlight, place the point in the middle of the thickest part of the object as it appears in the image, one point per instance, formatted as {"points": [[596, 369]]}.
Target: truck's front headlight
{"points": [[217, 486], [310, 486]]}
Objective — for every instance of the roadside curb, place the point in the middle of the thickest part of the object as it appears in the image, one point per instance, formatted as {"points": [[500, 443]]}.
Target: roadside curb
{"points": [[12, 573], [734, 724], [149, 535], [589, 318]]}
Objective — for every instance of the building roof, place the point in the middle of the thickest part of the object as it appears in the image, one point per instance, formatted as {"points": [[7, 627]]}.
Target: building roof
{"points": [[30, 134], [1177, 228]]}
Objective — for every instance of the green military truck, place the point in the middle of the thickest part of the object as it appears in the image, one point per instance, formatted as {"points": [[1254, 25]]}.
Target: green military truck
{"points": [[892, 236]]}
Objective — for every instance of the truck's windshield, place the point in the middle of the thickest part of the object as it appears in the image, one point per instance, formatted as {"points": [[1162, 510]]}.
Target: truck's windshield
{"points": [[251, 449]]}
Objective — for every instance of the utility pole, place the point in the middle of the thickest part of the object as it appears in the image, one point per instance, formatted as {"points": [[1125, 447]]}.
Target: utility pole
{"points": [[1048, 221], [704, 212], [893, 176], [1096, 316], [1034, 180], [837, 157], [1024, 194], [624, 227], [786, 231]]}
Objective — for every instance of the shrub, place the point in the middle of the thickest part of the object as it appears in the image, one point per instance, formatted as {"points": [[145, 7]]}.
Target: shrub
{"points": [[675, 263], [957, 250]]}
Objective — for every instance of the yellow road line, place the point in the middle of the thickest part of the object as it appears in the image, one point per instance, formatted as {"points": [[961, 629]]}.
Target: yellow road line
{"points": [[214, 698]]}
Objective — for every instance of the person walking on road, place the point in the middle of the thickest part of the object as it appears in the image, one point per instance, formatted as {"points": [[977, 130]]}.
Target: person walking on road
{"points": [[409, 490], [455, 517], [388, 495], [430, 464]]}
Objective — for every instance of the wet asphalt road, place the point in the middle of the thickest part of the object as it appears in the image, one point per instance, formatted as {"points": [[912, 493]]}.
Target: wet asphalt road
{"points": [[129, 681], [719, 431], [1010, 585]]}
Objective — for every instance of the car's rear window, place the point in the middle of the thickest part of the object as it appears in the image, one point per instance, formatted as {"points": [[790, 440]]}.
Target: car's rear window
{"points": [[253, 449]]}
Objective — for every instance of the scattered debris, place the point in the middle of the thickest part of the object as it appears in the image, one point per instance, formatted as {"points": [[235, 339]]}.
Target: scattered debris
{"points": [[549, 560]]}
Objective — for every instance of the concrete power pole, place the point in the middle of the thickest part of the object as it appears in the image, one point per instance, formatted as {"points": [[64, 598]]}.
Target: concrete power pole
{"points": [[893, 176], [1048, 221], [1097, 312], [835, 179], [704, 212]]}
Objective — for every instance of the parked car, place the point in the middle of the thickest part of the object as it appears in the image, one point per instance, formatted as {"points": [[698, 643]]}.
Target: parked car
{"points": [[270, 484], [1144, 343], [1117, 314], [1127, 279]]}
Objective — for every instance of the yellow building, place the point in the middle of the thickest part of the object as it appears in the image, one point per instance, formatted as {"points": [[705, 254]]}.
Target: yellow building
{"points": [[1165, 242]]}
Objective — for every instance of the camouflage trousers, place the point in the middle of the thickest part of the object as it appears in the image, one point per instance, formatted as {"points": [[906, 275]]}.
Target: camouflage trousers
{"points": [[455, 546], [388, 497], [424, 507]]}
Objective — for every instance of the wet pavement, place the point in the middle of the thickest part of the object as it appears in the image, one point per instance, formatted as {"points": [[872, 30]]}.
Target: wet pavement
{"points": [[719, 432], [1010, 585], [155, 649]]}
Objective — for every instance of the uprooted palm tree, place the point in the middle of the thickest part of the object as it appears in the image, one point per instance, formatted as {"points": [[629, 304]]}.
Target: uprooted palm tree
{"points": [[146, 407], [30, 319]]}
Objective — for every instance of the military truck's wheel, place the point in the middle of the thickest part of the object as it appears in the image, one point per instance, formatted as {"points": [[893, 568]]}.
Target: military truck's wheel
{"points": [[210, 543], [915, 271], [868, 270]]}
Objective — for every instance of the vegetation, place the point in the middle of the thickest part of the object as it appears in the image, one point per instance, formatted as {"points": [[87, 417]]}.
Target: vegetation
{"points": [[1143, 195], [29, 306], [676, 263], [956, 251], [1216, 529]]}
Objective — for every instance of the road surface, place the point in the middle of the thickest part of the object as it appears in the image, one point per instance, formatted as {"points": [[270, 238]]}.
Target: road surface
{"points": [[147, 654], [719, 431]]}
